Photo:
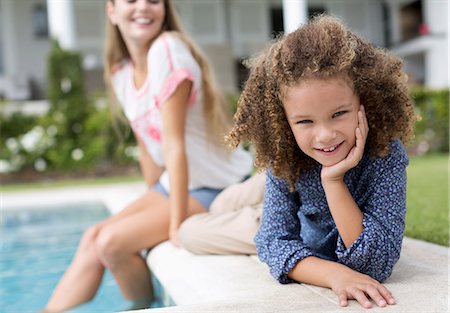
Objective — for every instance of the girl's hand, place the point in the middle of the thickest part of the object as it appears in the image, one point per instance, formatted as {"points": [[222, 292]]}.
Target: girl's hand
{"points": [[336, 172], [349, 284]]}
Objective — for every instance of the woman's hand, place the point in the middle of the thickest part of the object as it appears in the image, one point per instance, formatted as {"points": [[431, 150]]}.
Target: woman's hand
{"points": [[336, 172], [349, 284], [173, 235]]}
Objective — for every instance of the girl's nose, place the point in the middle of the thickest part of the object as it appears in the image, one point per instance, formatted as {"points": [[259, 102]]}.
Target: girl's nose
{"points": [[325, 134]]}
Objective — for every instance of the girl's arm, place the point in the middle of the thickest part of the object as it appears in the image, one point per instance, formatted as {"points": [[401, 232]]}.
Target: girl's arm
{"points": [[278, 240], [345, 282], [279, 245], [173, 112], [370, 235], [377, 249], [149, 168], [346, 214]]}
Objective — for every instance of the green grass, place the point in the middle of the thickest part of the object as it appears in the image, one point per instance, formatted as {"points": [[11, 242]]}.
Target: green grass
{"points": [[427, 214], [70, 183]]}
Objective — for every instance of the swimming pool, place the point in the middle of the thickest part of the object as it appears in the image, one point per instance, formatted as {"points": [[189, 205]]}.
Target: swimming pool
{"points": [[37, 244]]}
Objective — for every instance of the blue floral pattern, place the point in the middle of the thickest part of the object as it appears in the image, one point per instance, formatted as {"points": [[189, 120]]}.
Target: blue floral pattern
{"points": [[298, 224]]}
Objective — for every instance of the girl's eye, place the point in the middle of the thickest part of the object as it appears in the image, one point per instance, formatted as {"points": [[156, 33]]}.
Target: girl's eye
{"points": [[337, 114], [304, 122]]}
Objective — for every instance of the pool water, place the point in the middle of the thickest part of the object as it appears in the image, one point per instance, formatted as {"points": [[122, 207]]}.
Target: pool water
{"points": [[37, 245]]}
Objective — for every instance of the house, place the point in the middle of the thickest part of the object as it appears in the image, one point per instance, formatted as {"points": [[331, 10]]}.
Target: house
{"points": [[228, 31]]}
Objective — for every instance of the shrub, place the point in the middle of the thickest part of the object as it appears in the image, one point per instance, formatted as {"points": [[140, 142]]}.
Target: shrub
{"points": [[77, 132], [432, 127]]}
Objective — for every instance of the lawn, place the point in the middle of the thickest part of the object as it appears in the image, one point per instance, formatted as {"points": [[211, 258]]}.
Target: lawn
{"points": [[427, 215], [45, 184]]}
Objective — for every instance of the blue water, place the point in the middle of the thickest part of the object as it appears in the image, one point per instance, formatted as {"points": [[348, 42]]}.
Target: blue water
{"points": [[37, 245]]}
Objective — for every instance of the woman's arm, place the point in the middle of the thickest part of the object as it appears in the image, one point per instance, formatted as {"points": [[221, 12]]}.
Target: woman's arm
{"points": [[149, 168], [174, 112]]}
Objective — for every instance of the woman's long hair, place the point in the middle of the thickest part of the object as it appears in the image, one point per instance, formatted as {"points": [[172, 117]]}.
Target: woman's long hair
{"points": [[215, 109]]}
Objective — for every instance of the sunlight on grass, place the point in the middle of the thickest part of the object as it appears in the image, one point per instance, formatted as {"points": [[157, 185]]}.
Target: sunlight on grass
{"points": [[427, 215], [71, 183]]}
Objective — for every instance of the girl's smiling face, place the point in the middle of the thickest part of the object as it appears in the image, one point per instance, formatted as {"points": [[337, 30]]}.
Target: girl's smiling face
{"points": [[323, 116], [139, 21]]}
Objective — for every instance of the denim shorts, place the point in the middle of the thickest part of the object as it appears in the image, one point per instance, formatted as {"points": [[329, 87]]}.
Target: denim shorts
{"points": [[203, 195]]}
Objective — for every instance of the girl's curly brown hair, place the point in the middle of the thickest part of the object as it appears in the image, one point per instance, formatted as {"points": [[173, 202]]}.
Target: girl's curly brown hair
{"points": [[324, 48]]}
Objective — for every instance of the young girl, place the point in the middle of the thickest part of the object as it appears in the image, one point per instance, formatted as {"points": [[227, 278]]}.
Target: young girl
{"points": [[164, 86], [328, 114]]}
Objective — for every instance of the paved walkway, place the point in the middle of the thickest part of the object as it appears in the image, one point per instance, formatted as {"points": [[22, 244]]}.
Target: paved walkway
{"points": [[420, 281]]}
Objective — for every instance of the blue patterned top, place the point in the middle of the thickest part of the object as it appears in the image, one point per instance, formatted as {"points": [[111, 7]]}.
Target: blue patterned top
{"points": [[299, 224]]}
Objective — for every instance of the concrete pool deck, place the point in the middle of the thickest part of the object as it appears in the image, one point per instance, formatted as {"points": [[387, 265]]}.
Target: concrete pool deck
{"points": [[420, 281]]}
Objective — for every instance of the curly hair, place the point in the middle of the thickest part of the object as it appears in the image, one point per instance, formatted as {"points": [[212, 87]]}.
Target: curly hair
{"points": [[324, 48]]}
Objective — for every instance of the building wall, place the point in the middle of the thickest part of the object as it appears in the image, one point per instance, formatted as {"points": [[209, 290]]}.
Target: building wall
{"points": [[23, 52], [228, 31], [426, 57]]}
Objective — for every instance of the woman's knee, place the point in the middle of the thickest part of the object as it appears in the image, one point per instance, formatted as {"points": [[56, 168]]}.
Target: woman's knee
{"points": [[87, 241], [108, 247]]}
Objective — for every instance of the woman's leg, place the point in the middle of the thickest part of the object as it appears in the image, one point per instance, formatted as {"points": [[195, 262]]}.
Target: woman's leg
{"points": [[81, 280], [118, 244], [232, 222]]}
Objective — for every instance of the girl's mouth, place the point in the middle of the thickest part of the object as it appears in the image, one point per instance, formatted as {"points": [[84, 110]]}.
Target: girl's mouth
{"points": [[330, 150]]}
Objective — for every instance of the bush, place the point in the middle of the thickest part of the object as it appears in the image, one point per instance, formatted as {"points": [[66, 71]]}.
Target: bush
{"points": [[432, 127], [76, 134]]}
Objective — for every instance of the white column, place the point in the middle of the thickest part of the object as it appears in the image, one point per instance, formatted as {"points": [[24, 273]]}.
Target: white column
{"points": [[436, 64], [9, 38], [62, 22], [394, 10], [295, 13]]}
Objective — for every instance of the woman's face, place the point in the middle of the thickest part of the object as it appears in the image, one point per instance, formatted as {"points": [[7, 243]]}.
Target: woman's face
{"points": [[139, 21], [323, 116]]}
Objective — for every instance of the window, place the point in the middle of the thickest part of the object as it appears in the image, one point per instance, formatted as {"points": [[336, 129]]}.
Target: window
{"points": [[39, 18], [411, 20]]}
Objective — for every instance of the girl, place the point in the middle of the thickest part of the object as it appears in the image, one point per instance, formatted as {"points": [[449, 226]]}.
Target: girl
{"points": [[165, 89], [334, 207]]}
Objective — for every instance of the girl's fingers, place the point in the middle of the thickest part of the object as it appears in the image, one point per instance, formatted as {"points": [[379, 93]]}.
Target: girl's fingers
{"points": [[361, 297], [387, 295], [343, 300], [363, 120], [359, 138], [376, 296], [359, 149]]}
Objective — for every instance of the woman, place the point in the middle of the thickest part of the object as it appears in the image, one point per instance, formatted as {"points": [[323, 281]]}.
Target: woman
{"points": [[165, 88]]}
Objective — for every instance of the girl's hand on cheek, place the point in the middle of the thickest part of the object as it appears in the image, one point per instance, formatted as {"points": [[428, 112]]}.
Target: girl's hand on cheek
{"points": [[336, 172]]}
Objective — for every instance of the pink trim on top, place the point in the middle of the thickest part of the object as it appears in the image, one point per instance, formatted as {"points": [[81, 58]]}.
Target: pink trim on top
{"points": [[171, 84]]}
